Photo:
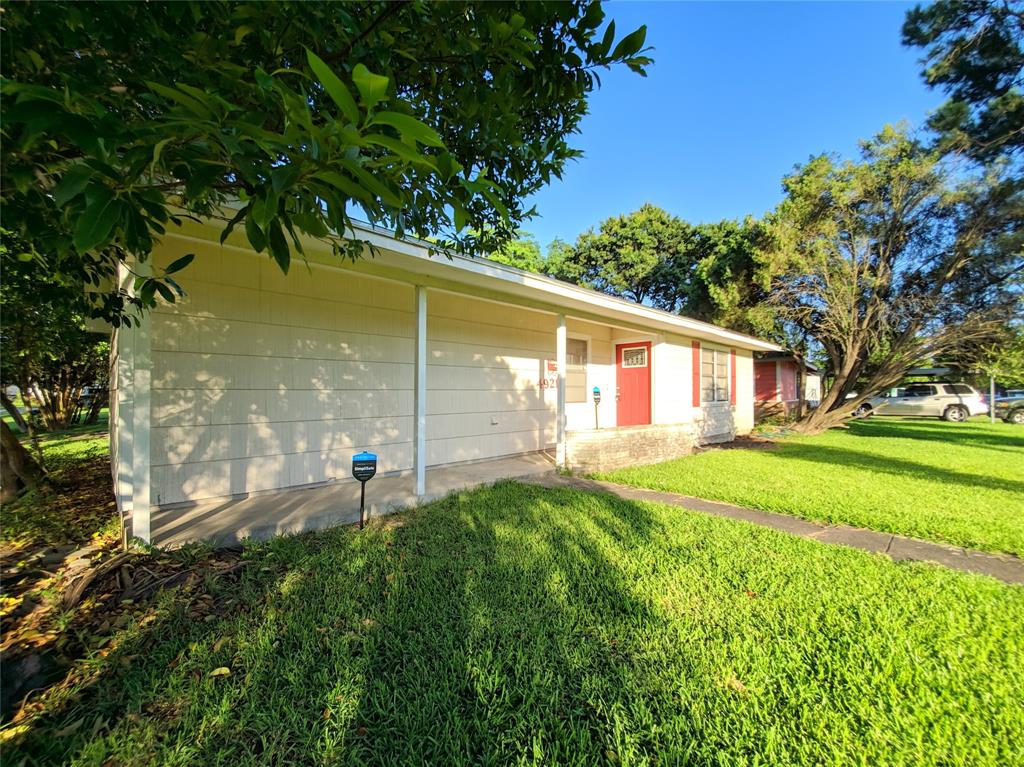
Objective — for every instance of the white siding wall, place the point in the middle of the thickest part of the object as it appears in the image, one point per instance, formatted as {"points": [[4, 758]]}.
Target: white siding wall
{"points": [[600, 373], [744, 410], [121, 404], [263, 381], [673, 380], [485, 364]]}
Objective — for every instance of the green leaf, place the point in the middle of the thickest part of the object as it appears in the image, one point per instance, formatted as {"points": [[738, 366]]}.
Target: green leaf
{"points": [[631, 43], [257, 239], [188, 102], [372, 88], [403, 150], [284, 176], [232, 223], [409, 127], [368, 181], [241, 32], [158, 150], [279, 246], [334, 86], [147, 292], [97, 221], [461, 217], [180, 263], [265, 81], [609, 38], [165, 292], [72, 184]]}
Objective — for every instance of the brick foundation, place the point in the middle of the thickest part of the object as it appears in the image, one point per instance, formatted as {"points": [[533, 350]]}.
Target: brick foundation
{"points": [[609, 449]]}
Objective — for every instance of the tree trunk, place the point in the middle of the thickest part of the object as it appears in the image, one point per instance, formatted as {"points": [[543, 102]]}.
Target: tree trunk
{"points": [[95, 406], [13, 410], [18, 469], [801, 386]]}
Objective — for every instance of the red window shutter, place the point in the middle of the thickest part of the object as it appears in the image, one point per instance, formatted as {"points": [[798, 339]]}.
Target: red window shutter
{"points": [[696, 373], [732, 376]]}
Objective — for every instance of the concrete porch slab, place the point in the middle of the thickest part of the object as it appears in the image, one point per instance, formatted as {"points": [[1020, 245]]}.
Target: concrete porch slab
{"points": [[227, 521]]}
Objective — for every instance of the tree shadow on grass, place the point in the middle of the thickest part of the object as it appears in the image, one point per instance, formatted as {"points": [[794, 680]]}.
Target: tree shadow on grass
{"points": [[481, 629], [933, 430], [512, 624], [825, 454]]}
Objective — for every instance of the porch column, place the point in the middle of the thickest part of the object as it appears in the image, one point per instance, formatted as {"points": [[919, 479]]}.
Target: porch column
{"points": [[560, 354], [420, 394], [141, 380]]}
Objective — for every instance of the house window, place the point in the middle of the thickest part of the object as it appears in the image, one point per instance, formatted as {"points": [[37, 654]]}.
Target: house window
{"points": [[635, 357], [714, 375], [576, 370]]}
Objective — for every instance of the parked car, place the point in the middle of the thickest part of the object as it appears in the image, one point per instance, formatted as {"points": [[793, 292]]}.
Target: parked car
{"points": [[948, 401], [1011, 407]]}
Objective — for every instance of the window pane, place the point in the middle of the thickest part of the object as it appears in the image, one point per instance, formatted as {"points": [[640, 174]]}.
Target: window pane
{"points": [[635, 357], [576, 352]]}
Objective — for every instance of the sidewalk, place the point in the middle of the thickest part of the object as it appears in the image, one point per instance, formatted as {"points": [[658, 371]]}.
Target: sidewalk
{"points": [[1005, 567]]}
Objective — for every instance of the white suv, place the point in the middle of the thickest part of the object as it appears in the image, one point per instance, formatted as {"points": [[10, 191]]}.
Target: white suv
{"points": [[949, 401]]}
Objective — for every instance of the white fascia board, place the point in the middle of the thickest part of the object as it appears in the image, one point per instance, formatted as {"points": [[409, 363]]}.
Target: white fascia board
{"points": [[495, 276], [419, 257]]}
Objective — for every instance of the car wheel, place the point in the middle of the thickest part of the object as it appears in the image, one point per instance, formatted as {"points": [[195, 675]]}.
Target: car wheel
{"points": [[956, 414], [1017, 416], [863, 410]]}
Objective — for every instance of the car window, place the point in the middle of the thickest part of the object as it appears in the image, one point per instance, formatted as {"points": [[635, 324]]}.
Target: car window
{"points": [[920, 390], [959, 389]]}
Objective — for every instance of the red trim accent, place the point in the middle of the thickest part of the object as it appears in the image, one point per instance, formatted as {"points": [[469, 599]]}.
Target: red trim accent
{"points": [[732, 376], [696, 373]]}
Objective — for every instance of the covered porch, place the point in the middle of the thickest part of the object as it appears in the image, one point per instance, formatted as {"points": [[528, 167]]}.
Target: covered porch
{"points": [[264, 515]]}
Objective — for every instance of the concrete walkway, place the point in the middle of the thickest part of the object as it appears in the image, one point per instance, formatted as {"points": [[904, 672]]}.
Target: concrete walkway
{"points": [[227, 521], [1002, 566]]}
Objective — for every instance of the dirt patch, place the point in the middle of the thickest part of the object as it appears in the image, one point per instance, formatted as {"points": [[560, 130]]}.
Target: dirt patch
{"points": [[744, 442]]}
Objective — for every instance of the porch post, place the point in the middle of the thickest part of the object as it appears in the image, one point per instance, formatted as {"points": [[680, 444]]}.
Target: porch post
{"points": [[142, 368], [420, 394], [560, 355]]}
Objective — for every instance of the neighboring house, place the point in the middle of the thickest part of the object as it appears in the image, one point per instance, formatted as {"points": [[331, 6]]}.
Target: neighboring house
{"points": [[258, 381], [775, 384]]}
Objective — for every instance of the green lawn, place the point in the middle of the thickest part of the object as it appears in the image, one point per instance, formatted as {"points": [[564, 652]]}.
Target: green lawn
{"points": [[955, 483], [101, 425], [517, 625]]}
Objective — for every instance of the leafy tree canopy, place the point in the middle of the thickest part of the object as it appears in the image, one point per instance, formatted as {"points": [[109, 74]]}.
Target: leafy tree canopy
{"points": [[705, 271], [626, 257], [883, 263], [431, 118], [522, 253], [974, 49], [47, 348], [1004, 360]]}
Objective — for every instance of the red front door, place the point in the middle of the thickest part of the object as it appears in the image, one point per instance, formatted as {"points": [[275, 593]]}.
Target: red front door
{"points": [[633, 379]]}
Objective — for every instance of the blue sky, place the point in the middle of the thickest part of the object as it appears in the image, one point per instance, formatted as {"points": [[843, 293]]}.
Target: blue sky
{"points": [[738, 94]]}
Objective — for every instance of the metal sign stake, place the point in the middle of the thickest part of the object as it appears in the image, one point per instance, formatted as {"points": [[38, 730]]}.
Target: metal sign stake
{"points": [[364, 466]]}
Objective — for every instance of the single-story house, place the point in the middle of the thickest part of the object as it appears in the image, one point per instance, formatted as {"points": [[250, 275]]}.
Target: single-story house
{"points": [[775, 384], [258, 381]]}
